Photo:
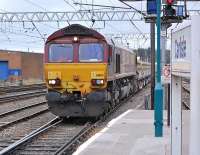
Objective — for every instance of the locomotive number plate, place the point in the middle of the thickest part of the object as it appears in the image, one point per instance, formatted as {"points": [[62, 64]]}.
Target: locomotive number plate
{"points": [[54, 75], [97, 75]]}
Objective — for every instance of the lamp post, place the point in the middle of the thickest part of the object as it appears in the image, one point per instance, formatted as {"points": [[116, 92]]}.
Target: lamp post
{"points": [[158, 99], [158, 103]]}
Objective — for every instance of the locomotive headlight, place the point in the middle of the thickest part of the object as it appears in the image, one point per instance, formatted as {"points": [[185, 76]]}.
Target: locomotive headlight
{"points": [[97, 82], [54, 82], [75, 39]]}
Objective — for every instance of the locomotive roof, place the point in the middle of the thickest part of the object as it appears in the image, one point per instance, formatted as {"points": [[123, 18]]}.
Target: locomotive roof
{"points": [[118, 45], [80, 30], [73, 30]]}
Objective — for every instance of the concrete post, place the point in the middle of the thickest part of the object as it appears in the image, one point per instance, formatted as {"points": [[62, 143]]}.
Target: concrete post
{"points": [[152, 64], [163, 44], [176, 117], [163, 59], [166, 100], [195, 89]]}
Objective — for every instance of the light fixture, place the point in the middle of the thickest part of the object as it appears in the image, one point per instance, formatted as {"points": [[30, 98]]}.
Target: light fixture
{"points": [[55, 82], [75, 39], [52, 82], [97, 82]]}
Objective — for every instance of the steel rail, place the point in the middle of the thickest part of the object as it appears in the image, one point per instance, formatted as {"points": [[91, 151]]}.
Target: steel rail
{"points": [[87, 129], [20, 109], [11, 89], [22, 119], [16, 145], [22, 96], [185, 83], [186, 105], [186, 89], [34, 133]]}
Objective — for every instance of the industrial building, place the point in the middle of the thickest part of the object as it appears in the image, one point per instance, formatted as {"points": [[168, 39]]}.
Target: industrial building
{"points": [[16, 66]]}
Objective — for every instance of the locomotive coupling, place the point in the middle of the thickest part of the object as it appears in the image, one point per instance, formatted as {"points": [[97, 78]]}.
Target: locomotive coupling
{"points": [[97, 96], [91, 105]]}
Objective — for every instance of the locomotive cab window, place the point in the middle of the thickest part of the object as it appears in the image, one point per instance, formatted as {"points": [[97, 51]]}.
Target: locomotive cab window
{"points": [[117, 63], [91, 52], [60, 53], [110, 50]]}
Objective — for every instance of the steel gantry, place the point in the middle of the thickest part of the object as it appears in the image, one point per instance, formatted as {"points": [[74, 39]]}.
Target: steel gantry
{"points": [[123, 15], [134, 36], [70, 16]]}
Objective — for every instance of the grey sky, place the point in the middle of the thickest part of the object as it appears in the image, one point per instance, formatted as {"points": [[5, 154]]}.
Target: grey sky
{"points": [[19, 36]]}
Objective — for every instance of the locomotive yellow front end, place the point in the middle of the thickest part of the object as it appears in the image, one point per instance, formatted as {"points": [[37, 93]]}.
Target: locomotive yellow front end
{"points": [[76, 76], [76, 89]]}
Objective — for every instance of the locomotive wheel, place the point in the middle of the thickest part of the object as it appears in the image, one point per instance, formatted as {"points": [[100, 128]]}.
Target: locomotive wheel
{"points": [[117, 101], [112, 103], [107, 109]]}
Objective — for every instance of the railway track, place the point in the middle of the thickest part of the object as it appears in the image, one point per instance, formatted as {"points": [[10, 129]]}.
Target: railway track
{"points": [[187, 107], [22, 114], [20, 109], [11, 89], [25, 95], [57, 137], [186, 94], [46, 140], [186, 89]]}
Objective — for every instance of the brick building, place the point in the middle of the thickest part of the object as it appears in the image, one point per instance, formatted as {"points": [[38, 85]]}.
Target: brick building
{"points": [[21, 66]]}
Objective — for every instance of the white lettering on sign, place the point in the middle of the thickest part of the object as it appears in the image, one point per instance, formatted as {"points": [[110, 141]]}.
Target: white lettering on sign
{"points": [[180, 48], [181, 52]]}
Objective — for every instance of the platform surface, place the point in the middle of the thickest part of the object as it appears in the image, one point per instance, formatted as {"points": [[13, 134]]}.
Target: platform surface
{"points": [[131, 133]]}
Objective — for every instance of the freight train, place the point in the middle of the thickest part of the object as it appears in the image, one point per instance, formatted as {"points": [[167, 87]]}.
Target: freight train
{"points": [[87, 74]]}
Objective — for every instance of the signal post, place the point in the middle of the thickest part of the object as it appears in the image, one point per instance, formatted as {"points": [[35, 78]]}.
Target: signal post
{"points": [[168, 17]]}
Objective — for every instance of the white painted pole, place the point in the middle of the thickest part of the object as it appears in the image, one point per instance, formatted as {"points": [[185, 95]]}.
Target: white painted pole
{"points": [[195, 89], [176, 116]]}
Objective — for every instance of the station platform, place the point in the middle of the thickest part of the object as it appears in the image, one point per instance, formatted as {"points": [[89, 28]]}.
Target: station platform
{"points": [[131, 133]]}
